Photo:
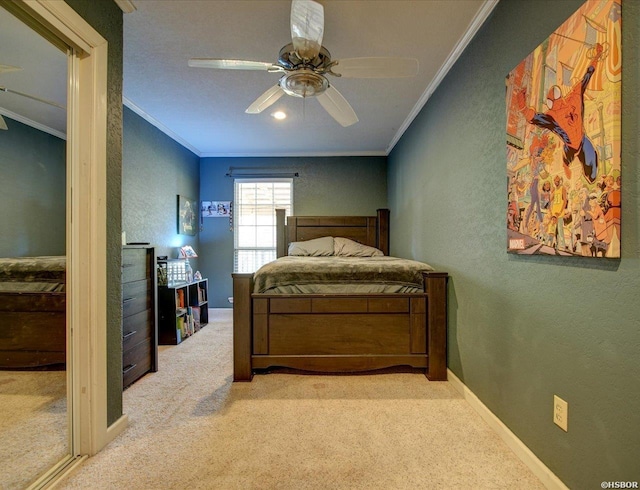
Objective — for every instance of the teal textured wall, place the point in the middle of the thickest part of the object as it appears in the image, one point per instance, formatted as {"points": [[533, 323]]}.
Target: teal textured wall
{"points": [[106, 18], [155, 170], [33, 170], [522, 329], [325, 186]]}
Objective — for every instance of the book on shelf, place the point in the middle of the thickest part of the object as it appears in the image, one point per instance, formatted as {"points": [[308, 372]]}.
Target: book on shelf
{"points": [[180, 299], [180, 327], [189, 320], [195, 314]]}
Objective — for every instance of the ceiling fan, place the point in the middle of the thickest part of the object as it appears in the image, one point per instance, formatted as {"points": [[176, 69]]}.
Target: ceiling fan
{"points": [[305, 64]]}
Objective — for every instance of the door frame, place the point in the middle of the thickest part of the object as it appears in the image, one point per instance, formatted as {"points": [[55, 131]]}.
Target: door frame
{"points": [[86, 224]]}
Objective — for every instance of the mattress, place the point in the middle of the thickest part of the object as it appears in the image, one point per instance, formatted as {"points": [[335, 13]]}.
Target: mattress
{"points": [[22, 274], [337, 275]]}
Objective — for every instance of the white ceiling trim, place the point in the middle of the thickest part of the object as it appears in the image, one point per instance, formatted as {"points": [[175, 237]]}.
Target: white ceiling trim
{"points": [[298, 154], [154, 122], [127, 6], [33, 124], [475, 25]]}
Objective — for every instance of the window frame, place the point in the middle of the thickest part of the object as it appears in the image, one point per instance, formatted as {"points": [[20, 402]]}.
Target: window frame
{"points": [[237, 206]]}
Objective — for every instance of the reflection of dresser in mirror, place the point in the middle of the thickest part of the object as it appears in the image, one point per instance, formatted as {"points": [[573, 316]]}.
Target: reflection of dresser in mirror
{"points": [[139, 322]]}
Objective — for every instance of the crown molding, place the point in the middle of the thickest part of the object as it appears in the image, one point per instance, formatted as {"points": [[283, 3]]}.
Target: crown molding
{"points": [[154, 122], [295, 154], [475, 25], [127, 6], [36, 125]]}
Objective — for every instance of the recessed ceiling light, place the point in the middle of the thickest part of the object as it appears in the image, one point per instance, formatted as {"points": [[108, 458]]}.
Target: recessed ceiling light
{"points": [[279, 115]]}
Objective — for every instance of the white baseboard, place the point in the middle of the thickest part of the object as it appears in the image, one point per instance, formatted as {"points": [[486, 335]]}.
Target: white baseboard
{"points": [[546, 476], [117, 428]]}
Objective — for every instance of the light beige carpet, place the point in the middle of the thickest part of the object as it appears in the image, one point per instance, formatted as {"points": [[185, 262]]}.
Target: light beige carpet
{"points": [[192, 428], [33, 425]]}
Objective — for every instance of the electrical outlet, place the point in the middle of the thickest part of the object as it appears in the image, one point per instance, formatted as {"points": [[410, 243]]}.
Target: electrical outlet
{"points": [[560, 413]]}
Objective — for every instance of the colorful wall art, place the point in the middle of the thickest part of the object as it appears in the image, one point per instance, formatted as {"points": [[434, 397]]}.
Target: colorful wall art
{"points": [[564, 141]]}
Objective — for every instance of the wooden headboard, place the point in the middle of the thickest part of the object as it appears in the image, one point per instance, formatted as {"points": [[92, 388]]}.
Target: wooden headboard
{"points": [[368, 230]]}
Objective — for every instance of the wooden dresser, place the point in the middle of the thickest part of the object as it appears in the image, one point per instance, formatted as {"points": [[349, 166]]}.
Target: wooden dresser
{"points": [[139, 320]]}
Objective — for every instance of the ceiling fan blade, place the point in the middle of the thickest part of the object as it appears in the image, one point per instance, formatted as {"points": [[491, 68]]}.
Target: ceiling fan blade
{"points": [[3, 124], [32, 97], [337, 106], [265, 100], [376, 67], [8, 68], [307, 28], [232, 64]]}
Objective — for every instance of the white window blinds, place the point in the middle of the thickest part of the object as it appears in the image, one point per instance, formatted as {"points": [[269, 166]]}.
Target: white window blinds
{"points": [[255, 204]]}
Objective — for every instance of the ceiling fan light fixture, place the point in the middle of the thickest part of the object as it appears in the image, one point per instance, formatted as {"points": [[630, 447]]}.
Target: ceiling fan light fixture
{"points": [[306, 63], [279, 115], [303, 83]]}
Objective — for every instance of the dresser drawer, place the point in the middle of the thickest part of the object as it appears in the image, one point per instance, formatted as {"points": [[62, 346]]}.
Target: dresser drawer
{"points": [[135, 264], [136, 354], [136, 362], [136, 297], [139, 330], [136, 328]]}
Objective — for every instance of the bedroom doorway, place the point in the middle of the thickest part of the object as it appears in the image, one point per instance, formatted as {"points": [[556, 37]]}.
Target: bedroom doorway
{"points": [[85, 81]]}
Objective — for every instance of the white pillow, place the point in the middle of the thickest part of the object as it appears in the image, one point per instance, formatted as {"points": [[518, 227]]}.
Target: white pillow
{"points": [[318, 247], [343, 247]]}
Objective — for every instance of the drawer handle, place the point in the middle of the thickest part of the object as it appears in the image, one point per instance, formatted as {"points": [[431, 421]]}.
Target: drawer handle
{"points": [[128, 300], [128, 368], [126, 336]]}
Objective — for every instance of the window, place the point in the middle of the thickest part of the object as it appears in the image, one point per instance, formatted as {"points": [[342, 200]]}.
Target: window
{"points": [[256, 201]]}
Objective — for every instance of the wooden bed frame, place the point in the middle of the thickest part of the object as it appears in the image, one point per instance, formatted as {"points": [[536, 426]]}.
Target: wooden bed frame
{"points": [[33, 330], [339, 332]]}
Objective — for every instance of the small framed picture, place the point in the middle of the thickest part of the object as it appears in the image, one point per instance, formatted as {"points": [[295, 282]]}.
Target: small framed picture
{"points": [[187, 217], [215, 209]]}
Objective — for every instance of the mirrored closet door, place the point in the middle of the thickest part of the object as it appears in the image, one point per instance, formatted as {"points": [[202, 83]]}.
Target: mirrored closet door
{"points": [[35, 427]]}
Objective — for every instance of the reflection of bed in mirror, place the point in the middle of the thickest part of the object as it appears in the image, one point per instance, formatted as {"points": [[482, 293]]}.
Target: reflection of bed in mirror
{"points": [[335, 330], [32, 312]]}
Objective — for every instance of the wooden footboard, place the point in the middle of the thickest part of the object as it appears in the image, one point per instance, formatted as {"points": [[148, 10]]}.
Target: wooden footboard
{"points": [[340, 333], [32, 329]]}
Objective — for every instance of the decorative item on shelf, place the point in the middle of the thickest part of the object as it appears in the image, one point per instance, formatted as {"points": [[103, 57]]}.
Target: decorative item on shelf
{"points": [[197, 276], [188, 271], [187, 252], [162, 273], [171, 271]]}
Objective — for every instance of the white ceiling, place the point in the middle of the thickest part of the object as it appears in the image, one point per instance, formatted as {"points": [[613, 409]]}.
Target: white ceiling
{"points": [[42, 73], [204, 108]]}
